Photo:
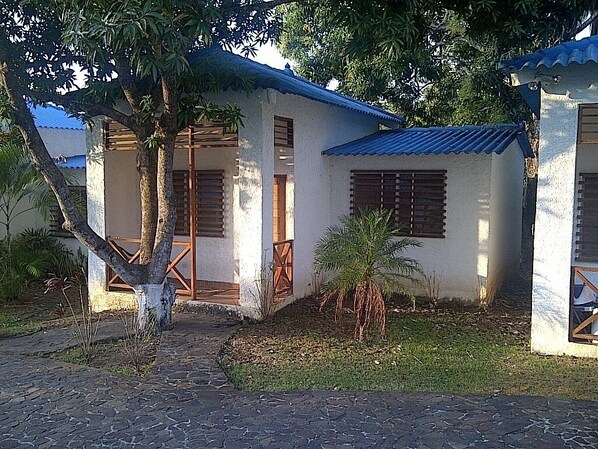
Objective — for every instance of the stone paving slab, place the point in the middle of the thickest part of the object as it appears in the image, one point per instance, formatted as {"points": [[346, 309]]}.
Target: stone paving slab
{"points": [[45, 403], [58, 339]]}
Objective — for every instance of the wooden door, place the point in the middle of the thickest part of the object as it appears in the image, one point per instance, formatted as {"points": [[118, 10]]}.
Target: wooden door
{"points": [[280, 208]]}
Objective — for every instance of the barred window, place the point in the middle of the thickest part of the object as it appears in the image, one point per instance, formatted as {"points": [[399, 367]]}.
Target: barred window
{"points": [[587, 128], [283, 132], [209, 202], [79, 194], [417, 198], [586, 233]]}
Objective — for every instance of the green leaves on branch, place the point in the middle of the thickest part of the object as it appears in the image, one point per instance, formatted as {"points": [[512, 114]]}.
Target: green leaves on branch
{"points": [[434, 62], [22, 187]]}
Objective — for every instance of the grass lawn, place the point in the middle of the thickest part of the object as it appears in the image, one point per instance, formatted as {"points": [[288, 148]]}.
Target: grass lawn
{"points": [[34, 311], [447, 350]]}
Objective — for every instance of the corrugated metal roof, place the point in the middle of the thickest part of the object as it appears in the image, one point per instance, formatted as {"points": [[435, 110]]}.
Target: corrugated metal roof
{"points": [[565, 54], [71, 162], [286, 82], [451, 139], [49, 116]]}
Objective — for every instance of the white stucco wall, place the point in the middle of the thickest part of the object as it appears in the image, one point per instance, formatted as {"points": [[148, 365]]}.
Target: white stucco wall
{"points": [[461, 258], [553, 239], [506, 208], [248, 241], [317, 127], [65, 142]]}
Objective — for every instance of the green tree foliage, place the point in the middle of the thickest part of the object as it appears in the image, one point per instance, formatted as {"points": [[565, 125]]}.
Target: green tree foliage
{"points": [[364, 260], [432, 61], [32, 255]]}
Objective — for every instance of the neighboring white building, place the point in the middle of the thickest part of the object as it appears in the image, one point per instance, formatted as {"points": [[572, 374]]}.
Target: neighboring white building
{"points": [[64, 137], [458, 190], [564, 307], [267, 194]]}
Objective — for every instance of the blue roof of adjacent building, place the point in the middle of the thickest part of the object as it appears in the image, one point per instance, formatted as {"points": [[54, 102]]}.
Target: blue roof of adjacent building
{"points": [[50, 116], [446, 140], [286, 82], [565, 54], [76, 162]]}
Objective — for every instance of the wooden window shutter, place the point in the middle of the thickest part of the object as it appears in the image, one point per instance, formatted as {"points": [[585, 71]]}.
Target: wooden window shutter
{"points": [[209, 199], [421, 202], [586, 234], [283, 132], [180, 181], [79, 194], [587, 127], [417, 199], [214, 135]]}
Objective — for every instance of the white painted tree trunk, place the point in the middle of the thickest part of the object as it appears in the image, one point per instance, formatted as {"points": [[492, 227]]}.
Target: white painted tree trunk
{"points": [[155, 303]]}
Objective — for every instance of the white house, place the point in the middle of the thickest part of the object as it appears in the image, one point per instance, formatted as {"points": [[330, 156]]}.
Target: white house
{"points": [[304, 155], [564, 308], [64, 137]]}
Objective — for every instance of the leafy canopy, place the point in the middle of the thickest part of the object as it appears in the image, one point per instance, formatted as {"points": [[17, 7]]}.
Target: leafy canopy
{"points": [[432, 61]]}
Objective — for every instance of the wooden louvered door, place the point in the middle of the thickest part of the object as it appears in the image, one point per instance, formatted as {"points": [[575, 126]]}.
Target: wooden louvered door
{"points": [[279, 214], [282, 248]]}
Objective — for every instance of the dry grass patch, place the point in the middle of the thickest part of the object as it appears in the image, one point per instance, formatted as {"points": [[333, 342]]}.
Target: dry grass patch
{"points": [[451, 350]]}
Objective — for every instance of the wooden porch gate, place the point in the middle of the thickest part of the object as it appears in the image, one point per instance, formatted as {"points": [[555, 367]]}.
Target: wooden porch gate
{"points": [[283, 268], [128, 249], [584, 329]]}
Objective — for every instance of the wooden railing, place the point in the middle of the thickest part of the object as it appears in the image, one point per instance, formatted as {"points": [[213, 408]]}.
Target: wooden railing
{"points": [[128, 248], [583, 330], [283, 268]]}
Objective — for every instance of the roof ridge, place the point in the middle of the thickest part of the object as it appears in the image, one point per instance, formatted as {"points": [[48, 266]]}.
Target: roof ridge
{"points": [[562, 54], [287, 77], [436, 140], [462, 127]]}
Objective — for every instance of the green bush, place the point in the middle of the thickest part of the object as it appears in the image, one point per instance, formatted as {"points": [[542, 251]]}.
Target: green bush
{"points": [[32, 255], [363, 258]]}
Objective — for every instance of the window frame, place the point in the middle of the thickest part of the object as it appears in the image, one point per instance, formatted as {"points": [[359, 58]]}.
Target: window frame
{"points": [[586, 223], [418, 198], [210, 223], [57, 219]]}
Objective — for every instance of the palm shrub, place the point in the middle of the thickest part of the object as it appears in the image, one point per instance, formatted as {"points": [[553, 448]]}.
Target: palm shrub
{"points": [[32, 255], [22, 187], [363, 259]]}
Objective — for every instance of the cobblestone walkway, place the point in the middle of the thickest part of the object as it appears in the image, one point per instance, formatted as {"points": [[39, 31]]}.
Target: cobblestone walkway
{"points": [[45, 403]]}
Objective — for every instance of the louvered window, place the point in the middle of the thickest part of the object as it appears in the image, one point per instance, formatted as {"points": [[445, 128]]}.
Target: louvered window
{"points": [[587, 129], [199, 136], [283, 132], [586, 234], [417, 199], [79, 195], [209, 202]]}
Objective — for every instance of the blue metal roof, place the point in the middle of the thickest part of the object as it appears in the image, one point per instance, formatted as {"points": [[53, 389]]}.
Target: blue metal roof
{"points": [[49, 116], [72, 162], [451, 139], [284, 81], [565, 54]]}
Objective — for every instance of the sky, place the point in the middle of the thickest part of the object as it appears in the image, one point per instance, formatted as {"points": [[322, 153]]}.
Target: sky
{"points": [[269, 54]]}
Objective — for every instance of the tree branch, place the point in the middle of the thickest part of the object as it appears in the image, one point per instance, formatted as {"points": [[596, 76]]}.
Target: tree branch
{"points": [[262, 5], [586, 23], [75, 105], [74, 222]]}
